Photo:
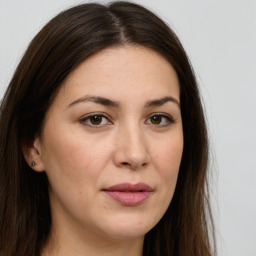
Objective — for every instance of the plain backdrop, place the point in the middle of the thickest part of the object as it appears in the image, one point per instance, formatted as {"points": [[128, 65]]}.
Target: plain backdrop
{"points": [[220, 39]]}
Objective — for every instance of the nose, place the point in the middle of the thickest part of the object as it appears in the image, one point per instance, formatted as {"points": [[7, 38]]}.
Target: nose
{"points": [[131, 149]]}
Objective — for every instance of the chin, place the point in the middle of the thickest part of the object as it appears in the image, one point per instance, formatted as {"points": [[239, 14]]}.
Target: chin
{"points": [[129, 226]]}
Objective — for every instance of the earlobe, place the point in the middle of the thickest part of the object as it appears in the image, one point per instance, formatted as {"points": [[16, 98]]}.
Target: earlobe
{"points": [[32, 154]]}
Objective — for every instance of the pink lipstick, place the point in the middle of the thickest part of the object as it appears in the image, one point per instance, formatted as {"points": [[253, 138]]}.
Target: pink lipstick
{"points": [[129, 194]]}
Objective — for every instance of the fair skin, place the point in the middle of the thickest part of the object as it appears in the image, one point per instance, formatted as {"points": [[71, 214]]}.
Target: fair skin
{"points": [[115, 120]]}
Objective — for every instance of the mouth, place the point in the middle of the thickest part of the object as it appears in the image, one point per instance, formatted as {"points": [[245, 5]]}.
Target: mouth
{"points": [[129, 194]]}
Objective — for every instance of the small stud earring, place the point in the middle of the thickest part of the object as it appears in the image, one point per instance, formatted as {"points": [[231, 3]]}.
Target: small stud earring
{"points": [[33, 164]]}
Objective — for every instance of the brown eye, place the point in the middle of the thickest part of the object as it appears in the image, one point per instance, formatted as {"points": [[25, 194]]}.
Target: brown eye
{"points": [[96, 120], [160, 120], [156, 119]]}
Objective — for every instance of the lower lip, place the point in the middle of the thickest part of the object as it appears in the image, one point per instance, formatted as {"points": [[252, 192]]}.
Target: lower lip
{"points": [[129, 198]]}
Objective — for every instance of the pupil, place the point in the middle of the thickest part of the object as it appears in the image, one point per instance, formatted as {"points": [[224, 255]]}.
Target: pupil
{"points": [[156, 119], [96, 120]]}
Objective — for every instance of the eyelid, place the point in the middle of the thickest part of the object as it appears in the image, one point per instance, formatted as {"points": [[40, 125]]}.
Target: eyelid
{"points": [[86, 117], [170, 119], [83, 119]]}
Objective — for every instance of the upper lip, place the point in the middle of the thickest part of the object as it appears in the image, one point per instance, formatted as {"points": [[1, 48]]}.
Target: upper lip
{"points": [[128, 187]]}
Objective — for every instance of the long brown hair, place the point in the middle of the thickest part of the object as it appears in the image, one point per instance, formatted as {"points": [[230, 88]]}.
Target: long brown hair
{"points": [[186, 229]]}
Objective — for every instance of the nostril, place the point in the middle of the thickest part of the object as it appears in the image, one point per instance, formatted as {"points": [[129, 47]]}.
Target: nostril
{"points": [[129, 165], [133, 166]]}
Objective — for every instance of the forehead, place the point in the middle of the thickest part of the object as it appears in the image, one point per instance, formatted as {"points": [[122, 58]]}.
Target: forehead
{"points": [[120, 72]]}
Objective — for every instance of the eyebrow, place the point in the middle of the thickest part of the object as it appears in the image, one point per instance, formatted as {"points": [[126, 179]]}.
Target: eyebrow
{"points": [[160, 102], [115, 104], [96, 99]]}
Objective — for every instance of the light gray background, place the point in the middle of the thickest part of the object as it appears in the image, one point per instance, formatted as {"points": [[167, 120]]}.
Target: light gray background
{"points": [[220, 39]]}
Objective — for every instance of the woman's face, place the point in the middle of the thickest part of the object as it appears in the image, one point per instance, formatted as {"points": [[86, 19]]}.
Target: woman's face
{"points": [[112, 144]]}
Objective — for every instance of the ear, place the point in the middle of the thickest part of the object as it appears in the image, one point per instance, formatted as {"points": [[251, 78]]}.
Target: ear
{"points": [[32, 153]]}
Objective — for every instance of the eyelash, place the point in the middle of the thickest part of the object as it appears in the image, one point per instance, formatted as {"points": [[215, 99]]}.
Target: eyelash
{"points": [[85, 120], [168, 119]]}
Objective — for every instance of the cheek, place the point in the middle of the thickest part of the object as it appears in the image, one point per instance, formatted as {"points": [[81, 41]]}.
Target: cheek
{"points": [[167, 155], [166, 159], [73, 158], [73, 166]]}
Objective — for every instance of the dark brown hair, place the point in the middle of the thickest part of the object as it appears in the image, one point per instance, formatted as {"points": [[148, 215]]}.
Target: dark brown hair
{"points": [[186, 229]]}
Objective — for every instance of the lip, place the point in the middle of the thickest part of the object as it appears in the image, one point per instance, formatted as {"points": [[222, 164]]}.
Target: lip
{"points": [[129, 194]]}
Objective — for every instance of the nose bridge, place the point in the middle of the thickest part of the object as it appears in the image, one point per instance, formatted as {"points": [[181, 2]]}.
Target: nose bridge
{"points": [[135, 143], [132, 148]]}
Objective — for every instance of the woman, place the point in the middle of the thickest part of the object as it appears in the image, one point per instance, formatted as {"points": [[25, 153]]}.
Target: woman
{"points": [[103, 141]]}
